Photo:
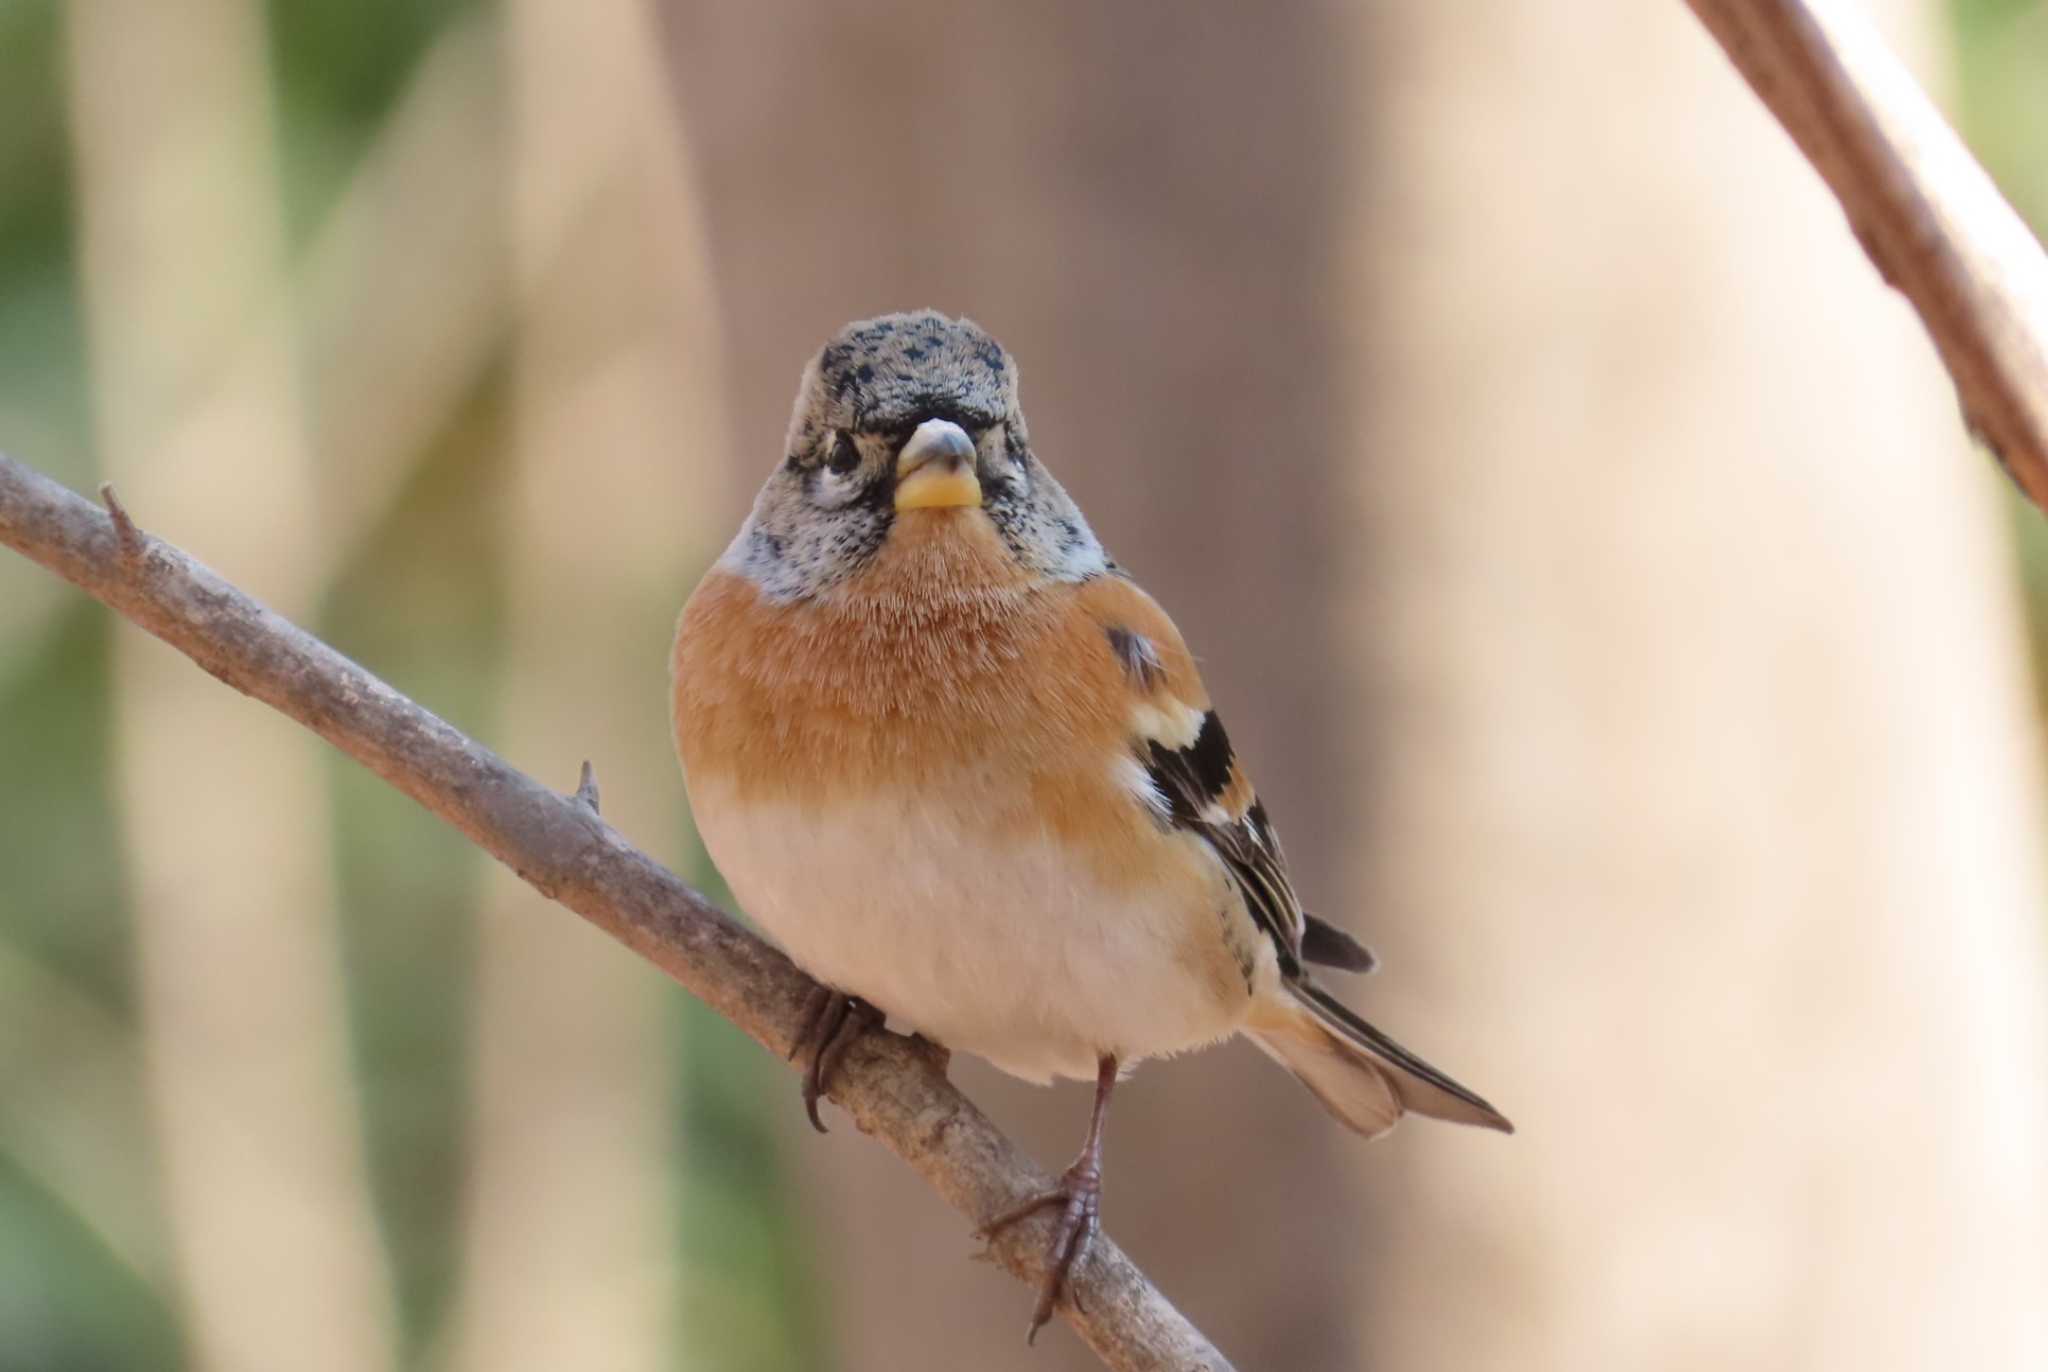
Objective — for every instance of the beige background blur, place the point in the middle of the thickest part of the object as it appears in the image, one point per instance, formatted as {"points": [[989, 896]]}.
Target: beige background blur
{"points": [[1580, 542]]}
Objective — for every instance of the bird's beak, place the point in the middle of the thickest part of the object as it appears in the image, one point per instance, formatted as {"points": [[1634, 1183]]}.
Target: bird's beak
{"points": [[935, 470]]}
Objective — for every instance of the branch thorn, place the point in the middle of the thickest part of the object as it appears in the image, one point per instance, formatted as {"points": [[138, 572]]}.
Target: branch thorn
{"points": [[126, 536], [586, 788]]}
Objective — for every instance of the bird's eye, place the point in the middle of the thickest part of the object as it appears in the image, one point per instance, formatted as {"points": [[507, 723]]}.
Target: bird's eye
{"points": [[1013, 449], [844, 457]]}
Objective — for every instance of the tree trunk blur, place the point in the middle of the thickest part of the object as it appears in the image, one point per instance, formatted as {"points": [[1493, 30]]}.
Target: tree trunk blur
{"points": [[1133, 197], [571, 1254], [225, 816], [1701, 779]]}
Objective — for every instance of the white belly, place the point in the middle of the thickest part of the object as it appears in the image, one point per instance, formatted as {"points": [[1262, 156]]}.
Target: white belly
{"points": [[1010, 952]]}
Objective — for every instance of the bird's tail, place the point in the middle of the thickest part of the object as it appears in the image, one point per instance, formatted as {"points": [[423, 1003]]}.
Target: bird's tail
{"points": [[1359, 1074]]}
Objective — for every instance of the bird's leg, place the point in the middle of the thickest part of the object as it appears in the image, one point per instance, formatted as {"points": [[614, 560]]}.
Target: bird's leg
{"points": [[1079, 1196], [832, 1021]]}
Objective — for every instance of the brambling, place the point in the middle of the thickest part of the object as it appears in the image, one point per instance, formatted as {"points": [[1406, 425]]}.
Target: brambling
{"points": [[951, 756]]}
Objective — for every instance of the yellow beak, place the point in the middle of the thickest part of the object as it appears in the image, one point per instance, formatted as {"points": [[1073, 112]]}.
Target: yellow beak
{"points": [[935, 470]]}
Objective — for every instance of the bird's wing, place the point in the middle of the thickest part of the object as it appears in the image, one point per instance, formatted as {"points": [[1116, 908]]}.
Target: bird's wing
{"points": [[1326, 944], [1194, 781], [1206, 794]]}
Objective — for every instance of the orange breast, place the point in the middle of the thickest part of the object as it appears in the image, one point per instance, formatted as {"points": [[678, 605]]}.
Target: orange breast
{"points": [[939, 668]]}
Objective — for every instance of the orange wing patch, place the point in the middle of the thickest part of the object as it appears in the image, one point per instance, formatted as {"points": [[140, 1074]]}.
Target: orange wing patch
{"points": [[1202, 788]]}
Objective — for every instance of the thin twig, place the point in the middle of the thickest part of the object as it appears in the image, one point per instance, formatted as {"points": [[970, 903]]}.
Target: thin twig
{"points": [[1926, 213], [894, 1089]]}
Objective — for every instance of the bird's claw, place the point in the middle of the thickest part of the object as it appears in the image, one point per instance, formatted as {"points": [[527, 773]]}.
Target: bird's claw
{"points": [[1079, 1196], [832, 1021]]}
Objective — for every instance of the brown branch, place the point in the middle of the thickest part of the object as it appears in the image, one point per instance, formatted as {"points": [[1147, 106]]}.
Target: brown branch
{"points": [[1926, 213], [894, 1090]]}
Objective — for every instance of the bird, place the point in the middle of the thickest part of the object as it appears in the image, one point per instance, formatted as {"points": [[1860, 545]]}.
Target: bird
{"points": [[963, 769]]}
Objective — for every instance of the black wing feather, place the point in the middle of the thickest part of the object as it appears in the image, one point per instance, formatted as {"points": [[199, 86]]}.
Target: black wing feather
{"points": [[1326, 944], [1193, 781]]}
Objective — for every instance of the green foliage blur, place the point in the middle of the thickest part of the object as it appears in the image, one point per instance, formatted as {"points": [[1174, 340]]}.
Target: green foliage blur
{"points": [[2002, 105], [410, 887]]}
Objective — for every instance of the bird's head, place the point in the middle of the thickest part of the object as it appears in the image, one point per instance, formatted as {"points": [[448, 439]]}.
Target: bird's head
{"points": [[907, 421]]}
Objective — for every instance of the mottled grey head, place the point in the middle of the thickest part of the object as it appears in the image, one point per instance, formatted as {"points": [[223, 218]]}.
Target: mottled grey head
{"points": [[904, 412]]}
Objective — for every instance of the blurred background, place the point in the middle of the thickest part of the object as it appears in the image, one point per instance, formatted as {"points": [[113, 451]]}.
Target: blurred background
{"points": [[1582, 545]]}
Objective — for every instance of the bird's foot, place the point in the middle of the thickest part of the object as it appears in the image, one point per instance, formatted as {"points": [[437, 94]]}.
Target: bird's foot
{"points": [[832, 1021], [1079, 1198]]}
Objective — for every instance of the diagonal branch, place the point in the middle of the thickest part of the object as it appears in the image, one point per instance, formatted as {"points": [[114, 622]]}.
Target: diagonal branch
{"points": [[1929, 217], [893, 1090]]}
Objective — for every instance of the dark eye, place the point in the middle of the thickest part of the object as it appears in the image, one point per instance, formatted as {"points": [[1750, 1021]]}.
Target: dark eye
{"points": [[844, 457], [1013, 448]]}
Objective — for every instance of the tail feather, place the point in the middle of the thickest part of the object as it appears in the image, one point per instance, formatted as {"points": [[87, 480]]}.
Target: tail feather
{"points": [[1359, 1074], [1351, 1088]]}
